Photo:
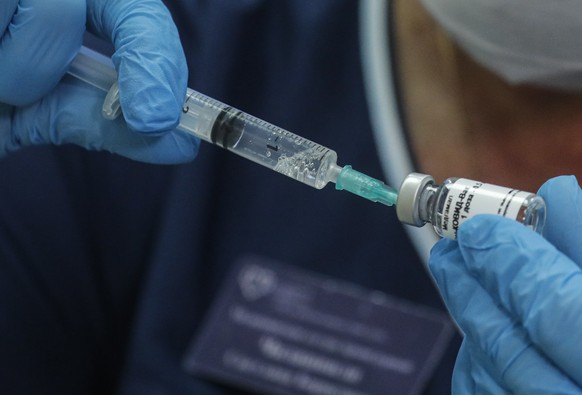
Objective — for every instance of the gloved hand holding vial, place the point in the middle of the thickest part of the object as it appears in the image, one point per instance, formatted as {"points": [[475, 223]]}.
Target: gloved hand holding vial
{"points": [[516, 297]]}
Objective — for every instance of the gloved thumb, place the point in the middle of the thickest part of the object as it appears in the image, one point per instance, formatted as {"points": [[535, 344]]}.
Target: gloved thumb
{"points": [[532, 281], [564, 215], [150, 62]]}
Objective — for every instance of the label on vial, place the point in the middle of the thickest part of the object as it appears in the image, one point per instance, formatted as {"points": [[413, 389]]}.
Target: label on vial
{"points": [[467, 198]]}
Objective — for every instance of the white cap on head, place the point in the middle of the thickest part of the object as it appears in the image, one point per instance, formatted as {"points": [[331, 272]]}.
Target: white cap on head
{"points": [[524, 41]]}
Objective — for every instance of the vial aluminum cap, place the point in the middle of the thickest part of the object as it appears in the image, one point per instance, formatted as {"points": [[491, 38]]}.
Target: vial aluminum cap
{"points": [[407, 205]]}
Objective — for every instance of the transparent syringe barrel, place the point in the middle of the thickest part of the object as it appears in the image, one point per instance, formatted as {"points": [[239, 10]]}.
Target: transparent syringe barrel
{"points": [[257, 140]]}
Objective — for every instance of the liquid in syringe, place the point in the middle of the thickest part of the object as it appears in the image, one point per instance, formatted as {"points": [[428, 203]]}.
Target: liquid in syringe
{"points": [[276, 148], [245, 135], [419, 200]]}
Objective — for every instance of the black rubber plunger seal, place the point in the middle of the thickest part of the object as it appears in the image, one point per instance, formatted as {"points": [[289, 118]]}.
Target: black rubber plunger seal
{"points": [[227, 128]]}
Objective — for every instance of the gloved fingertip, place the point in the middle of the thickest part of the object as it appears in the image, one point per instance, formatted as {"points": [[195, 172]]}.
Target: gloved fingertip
{"points": [[186, 145], [153, 126], [488, 230], [442, 247], [442, 255], [563, 183], [563, 198], [151, 98], [476, 232], [156, 115], [152, 69]]}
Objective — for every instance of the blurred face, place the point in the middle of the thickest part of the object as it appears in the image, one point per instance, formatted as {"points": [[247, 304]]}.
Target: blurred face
{"points": [[529, 41], [469, 119]]}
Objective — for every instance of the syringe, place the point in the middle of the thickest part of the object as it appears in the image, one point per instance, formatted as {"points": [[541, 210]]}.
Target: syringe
{"points": [[247, 136]]}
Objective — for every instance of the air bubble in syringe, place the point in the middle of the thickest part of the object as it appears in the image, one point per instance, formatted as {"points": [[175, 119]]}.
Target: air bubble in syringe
{"points": [[299, 166]]}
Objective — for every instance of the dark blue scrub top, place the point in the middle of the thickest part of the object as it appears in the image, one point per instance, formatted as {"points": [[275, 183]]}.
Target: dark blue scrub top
{"points": [[108, 266]]}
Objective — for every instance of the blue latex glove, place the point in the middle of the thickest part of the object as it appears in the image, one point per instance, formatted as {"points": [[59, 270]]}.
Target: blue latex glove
{"points": [[517, 297], [40, 38]]}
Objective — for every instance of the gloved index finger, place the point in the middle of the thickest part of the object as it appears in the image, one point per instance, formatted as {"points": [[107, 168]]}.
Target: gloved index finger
{"points": [[563, 226], [149, 59], [534, 282], [39, 40]]}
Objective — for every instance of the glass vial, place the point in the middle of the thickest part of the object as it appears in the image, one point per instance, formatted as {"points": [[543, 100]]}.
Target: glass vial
{"points": [[448, 205]]}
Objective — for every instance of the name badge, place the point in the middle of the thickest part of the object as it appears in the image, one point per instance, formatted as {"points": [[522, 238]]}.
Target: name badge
{"points": [[278, 330]]}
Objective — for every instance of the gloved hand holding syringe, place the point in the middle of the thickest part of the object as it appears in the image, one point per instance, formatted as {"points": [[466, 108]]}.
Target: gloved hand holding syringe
{"points": [[420, 201], [247, 136]]}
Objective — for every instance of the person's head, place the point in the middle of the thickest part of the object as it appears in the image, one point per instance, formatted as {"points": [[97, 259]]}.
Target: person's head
{"points": [[492, 88], [534, 42]]}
